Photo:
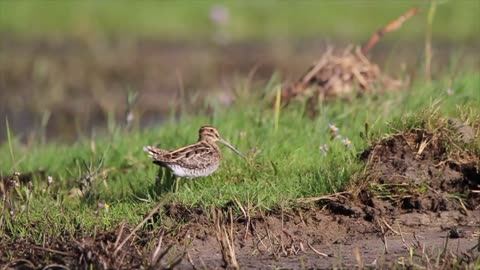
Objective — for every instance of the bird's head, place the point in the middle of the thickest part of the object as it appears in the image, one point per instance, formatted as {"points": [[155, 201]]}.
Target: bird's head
{"points": [[210, 134]]}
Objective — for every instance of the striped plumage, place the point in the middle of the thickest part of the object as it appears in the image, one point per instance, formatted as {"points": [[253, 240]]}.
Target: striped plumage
{"points": [[196, 160]]}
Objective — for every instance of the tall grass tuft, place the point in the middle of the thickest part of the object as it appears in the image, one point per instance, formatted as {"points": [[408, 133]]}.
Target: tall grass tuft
{"points": [[278, 101], [10, 146]]}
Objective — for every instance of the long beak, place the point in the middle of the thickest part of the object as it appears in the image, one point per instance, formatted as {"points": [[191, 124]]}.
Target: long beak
{"points": [[233, 148]]}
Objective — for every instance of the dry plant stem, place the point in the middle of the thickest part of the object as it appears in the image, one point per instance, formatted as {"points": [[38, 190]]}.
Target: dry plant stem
{"points": [[10, 147], [246, 214], [384, 238], [278, 102], [273, 243], [358, 258], [394, 25], [55, 251], [120, 233], [404, 243], [330, 197], [260, 241], [316, 251], [445, 247], [189, 258], [55, 266], [7, 266], [416, 242], [390, 227], [317, 67], [139, 225], [226, 239], [281, 235], [155, 256]]}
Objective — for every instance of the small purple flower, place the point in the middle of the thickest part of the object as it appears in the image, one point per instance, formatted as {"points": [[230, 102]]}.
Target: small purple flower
{"points": [[449, 91], [333, 128], [16, 183], [219, 14]]}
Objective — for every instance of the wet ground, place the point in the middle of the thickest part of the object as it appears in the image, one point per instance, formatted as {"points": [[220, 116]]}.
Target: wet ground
{"points": [[394, 216], [335, 241], [67, 88], [322, 240]]}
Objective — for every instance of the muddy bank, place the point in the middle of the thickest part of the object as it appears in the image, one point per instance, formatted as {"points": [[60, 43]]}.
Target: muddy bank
{"points": [[416, 205], [314, 237]]}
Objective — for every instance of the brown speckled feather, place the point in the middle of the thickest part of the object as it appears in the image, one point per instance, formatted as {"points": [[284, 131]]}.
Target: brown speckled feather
{"points": [[195, 156]]}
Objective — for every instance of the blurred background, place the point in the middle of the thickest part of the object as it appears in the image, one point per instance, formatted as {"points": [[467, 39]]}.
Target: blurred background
{"points": [[71, 69]]}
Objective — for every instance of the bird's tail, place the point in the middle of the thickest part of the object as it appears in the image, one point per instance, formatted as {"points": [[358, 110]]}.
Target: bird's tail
{"points": [[154, 152]]}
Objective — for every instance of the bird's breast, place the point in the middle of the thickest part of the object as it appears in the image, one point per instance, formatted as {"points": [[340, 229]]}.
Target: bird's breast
{"points": [[193, 172]]}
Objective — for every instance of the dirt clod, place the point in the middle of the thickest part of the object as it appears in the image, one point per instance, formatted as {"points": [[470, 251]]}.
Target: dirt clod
{"points": [[415, 170]]}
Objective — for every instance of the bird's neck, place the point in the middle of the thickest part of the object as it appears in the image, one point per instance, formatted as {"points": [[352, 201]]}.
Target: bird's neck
{"points": [[210, 142]]}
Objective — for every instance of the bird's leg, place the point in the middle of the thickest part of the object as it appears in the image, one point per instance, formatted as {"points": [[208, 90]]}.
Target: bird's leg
{"points": [[176, 183]]}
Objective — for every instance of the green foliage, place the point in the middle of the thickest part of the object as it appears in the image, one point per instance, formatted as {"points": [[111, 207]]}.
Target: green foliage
{"points": [[189, 20], [283, 165]]}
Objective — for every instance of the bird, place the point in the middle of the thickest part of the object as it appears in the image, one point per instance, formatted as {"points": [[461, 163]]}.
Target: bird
{"points": [[196, 160]]}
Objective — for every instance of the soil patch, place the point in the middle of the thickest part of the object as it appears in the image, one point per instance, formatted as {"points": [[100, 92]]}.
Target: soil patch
{"points": [[417, 170], [302, 237], [420, 197]]}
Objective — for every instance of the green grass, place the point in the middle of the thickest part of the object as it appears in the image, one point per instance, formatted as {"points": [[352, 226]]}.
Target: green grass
{"points": [[284, 164], [353, 20]]}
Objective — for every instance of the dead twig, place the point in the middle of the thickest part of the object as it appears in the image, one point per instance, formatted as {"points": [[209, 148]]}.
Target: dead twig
{"points": [[156, 255], [55, 266], [55, 251], [390, 227], [18, 262], [154, 210], [445, 247], [384, 238], [260, 241], [317, 252], [246, 214], [404, 243], [226, 239], [358, 257], [331, 197], [119, 234], [281, 235], [394, 25], [189, 258]]}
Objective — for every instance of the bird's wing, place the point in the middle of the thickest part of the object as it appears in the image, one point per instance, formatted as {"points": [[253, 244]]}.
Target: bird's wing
{"points": [[195, 156]]}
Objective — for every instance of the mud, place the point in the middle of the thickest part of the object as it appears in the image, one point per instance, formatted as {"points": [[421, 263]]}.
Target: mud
{"points": [[418, 206], [415, 170], [295, 238]]}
